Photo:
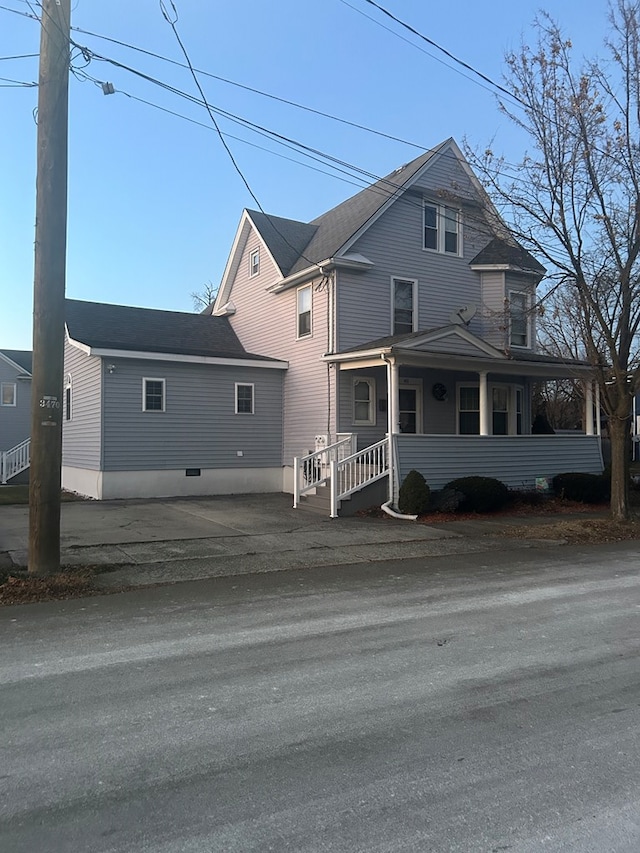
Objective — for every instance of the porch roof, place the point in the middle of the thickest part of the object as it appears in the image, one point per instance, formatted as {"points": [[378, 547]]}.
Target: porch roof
{"points": [[454, 347]]}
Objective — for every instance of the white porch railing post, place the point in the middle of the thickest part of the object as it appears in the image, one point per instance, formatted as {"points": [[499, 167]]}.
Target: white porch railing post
{"points": [[333, 482], [296, 482], [598, 417], [484, 403]]}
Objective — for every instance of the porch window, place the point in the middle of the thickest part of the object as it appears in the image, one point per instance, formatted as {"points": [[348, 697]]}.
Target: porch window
{"points": [[254, 262], [500, 395], [153, 395], [518, 319], [364, 395], [469, 410], [67, 397], [403, 298], [304, 311], [8, 397], [442, 229], [519, 407], [244, 398]]}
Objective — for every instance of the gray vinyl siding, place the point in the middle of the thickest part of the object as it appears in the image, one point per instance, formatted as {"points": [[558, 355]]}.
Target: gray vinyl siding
{"points": [[494, 326], [199, 427], [266, 323], [394, 244], [81, 436], [15, 421], [515, 460]]}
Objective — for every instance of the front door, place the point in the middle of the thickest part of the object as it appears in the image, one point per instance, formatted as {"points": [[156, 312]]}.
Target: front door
{"points": [[410, 406]]}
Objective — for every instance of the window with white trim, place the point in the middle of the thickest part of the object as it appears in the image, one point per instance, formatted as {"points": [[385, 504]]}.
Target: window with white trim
{"points": [[468, 410], [67, 397], [519, 409], [8, 394], [518, 318], [244, 398], [153, 395], [303, 308], [254, 262], [500, 402], [403, 305], [364, 397], [442, 229]]}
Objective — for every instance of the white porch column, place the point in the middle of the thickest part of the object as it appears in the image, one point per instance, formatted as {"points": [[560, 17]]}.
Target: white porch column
{"points": [[393, 422], [588, 403], [598, 418], [484, 404]]}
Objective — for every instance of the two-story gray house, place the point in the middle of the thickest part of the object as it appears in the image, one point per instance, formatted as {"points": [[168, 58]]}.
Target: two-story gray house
{"points": [[15, 412], [398, 330]]}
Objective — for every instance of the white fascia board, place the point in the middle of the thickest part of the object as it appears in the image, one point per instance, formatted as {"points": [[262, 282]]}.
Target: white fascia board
{"points": [[77, 344], [353, 262], [360, 355], [15, 366], [188, 359], [507, 268]]}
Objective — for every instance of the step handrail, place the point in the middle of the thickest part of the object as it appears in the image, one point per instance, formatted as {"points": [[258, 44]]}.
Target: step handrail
{"points": [[354, 472], [15, 460], [314, 469]]}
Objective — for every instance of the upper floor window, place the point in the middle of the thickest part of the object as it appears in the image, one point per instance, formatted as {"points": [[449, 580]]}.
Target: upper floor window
{"points": [[442, 229], [403, 306], [153, 395], [67, 397], [8, 394], [254, 262], [244, 398], [518, 319], [303, 297]]}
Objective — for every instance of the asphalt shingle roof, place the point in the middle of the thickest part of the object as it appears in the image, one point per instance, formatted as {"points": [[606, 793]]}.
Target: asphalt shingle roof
{"points": [[23, 358], [500, 251], [285, 238], [103, 326]]}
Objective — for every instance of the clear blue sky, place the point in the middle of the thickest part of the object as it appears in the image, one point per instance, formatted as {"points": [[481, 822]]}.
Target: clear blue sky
{"points": [[154, 200]]}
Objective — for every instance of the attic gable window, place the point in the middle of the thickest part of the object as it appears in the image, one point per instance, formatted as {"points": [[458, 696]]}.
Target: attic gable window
{"points": [[303, 297], [254, 262], [442, 229]]}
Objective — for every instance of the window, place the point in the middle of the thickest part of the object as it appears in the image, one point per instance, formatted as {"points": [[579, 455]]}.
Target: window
{"points": [[442, 229], [364, 395], [518, 319], [469, 410], [8, 395], [153, 395], [500, 395], [519, 402], [254, 262], [67, 397], [304, 311], [244, 399], [403, 303]]}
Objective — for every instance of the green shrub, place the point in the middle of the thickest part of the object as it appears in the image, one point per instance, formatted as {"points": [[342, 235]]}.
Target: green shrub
{"points": [[585, 488], [480, 494], [415, 495], [448, 500]]}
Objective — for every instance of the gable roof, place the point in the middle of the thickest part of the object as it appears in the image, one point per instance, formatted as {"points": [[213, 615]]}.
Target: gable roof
{"points": [[21, 358], [285, 238], [121, 327], [500, 252]]}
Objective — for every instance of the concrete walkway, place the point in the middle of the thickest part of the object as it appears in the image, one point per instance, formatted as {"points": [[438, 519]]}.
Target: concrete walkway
{"points": [[142, 542]]}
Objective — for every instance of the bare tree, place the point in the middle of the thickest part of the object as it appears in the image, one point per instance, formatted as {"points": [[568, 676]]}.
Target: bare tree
{"points": [[574, 200], [203, 298]]}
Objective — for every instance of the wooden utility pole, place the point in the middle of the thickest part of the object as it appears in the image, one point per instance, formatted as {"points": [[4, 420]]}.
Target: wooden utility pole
{"points": [[48, 289]]}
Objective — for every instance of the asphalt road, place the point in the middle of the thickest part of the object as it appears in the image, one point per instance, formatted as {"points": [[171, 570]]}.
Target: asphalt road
{"points": [[473, 703]]}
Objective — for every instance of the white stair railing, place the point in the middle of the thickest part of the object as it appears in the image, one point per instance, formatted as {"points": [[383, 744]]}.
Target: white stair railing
{"points": [[353, 473], [314, 469], [15, 460]]}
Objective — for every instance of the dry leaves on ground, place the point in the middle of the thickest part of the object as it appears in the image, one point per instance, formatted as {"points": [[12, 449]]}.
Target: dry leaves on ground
{"points": [[22, 589], [577, 530]]}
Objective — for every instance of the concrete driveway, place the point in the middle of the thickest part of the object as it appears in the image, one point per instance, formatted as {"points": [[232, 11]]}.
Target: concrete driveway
{"points": [[151, 541]]}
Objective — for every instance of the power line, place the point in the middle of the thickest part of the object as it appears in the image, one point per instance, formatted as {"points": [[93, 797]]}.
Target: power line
{"points": [[19, 56]]}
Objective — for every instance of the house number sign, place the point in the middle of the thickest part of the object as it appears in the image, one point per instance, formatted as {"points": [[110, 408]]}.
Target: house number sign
{"points": [[49, 403]]}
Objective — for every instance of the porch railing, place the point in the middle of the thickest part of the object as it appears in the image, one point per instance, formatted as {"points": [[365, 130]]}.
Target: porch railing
{"points": [[357, 471], [314, 469], [14, 461]]}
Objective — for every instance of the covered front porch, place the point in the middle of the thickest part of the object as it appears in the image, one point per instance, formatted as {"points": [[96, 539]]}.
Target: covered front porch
{"points": [[450, 405]]}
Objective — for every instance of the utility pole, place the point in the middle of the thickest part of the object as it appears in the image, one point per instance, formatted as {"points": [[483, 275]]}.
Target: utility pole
{"points": [[49, 289]]}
